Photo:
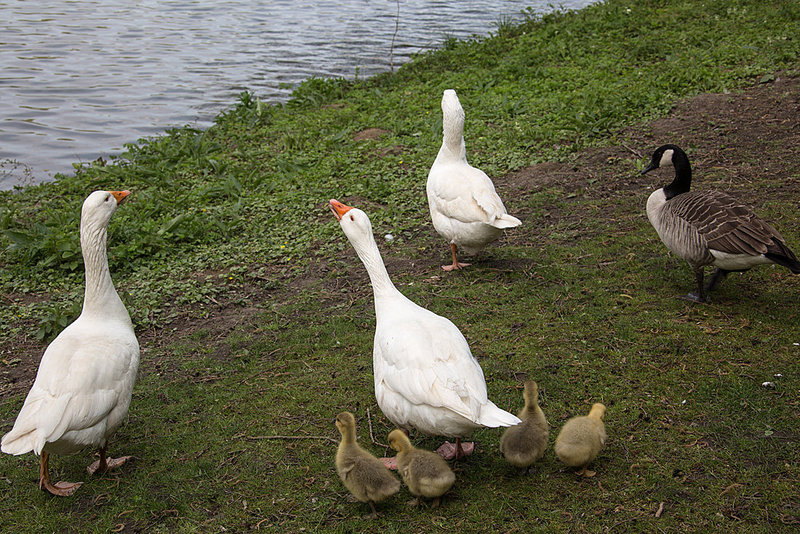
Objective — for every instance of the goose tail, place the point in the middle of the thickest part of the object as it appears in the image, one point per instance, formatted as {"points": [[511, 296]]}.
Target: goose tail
{"points": [[17, 443], [493, 417], [506, 221], [785, 257]]}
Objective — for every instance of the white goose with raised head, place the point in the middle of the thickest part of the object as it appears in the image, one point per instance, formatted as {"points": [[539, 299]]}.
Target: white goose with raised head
{"points": [[464, 205], [710, 227], [425, 375], [83, 386]]}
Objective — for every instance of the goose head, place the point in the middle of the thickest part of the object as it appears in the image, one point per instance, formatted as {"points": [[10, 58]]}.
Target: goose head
{"points": [[398, 440], [100, 206], [354, 222], [452, 120], [530, 393], [451, 107], [346, 423], [672, 155], [598, 411], [663, 156]]}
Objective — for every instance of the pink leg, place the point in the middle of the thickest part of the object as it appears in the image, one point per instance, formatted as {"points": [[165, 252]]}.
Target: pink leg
{"points": [[390, 463], [455, 451], [62, 489], [106, 464], [455, 265]]}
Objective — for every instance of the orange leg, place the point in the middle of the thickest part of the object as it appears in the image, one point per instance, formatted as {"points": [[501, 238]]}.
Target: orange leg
{"points": [[585, 472], [455, 265], [62, 489]]}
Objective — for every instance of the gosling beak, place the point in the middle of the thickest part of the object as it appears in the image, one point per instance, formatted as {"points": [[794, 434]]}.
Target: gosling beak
{"points": [[338, 209], [120, 195]]}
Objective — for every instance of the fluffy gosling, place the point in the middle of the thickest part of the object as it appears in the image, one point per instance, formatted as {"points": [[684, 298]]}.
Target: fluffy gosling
{"points": [[526, 442], [425, 473], [364, 475], [581, 439]]}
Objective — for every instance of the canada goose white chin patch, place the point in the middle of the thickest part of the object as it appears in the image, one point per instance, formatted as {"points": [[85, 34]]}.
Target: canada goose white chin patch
{"points": [[666, 157]]}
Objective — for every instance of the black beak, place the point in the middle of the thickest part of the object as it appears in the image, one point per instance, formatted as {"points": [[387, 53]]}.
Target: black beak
{"points": [[649, 168]]}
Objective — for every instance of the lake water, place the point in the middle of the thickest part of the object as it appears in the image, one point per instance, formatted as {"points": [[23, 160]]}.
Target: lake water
{"points": [[79, 78]]}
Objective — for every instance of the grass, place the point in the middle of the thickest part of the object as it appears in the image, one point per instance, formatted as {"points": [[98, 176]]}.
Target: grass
{"points": [[259, 321]]}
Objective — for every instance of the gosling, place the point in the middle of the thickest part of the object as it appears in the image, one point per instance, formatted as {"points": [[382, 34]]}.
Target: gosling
{"points": [[363, 475], [526, 442], [425, 473], [581, 439]]}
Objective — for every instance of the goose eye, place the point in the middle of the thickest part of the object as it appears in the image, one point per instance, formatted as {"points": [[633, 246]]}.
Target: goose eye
{"points": [[352, 218]]}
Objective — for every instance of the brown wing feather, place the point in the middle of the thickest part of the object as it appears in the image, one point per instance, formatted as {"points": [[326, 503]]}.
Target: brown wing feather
{"points": [[726, 224]]}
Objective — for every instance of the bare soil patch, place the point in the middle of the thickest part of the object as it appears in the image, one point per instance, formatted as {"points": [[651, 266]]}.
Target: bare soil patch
{"points": [[755, 132]]}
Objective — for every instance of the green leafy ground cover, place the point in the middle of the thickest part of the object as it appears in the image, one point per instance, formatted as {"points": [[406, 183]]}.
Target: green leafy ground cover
{"points": [[256, 317]]}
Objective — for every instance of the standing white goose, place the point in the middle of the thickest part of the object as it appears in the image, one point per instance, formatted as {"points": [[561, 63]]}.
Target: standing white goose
{"points": [[425, 375], [83, 387], [465, 207], [710, 227]]}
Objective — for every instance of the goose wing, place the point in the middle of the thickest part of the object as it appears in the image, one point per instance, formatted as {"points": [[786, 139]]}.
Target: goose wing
{"points": [[726, 224], [78, 384], [464, 193], [427, 361]]}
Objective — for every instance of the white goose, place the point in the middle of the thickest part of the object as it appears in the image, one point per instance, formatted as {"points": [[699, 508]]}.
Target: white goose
{"points": [[83, 387], [710, 227], [465, 208], [425, 375]]}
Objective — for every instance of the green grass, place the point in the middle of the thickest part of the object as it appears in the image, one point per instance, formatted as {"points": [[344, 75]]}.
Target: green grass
{"points": [[236, 215]]}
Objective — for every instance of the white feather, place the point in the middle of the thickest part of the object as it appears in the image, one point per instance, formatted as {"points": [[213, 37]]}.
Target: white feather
{"points": [[425, 374], [83, 386], [465, 208]]}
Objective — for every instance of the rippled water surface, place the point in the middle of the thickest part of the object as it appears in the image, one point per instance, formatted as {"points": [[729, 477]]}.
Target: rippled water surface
{"points": [[80, 78]]}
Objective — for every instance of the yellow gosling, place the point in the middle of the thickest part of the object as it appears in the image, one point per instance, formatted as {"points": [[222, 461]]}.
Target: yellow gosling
{"points": [[526, 442], [425, 473], [581, 439], [364, 475]]}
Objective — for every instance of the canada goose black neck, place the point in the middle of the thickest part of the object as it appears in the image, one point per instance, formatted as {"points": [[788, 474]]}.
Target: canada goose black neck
{"points": [[683, 173]]}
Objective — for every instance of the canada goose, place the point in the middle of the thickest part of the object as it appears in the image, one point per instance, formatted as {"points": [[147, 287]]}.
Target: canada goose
{"points": [[84, 383], [465, 208], [581, 439], [710, 227], [526, 442], [425, 473], [364, 475], [424, 372]]}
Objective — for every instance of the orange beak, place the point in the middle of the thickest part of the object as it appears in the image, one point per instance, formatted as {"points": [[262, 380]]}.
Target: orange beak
{"points": [[120, 195], [338, 209]]}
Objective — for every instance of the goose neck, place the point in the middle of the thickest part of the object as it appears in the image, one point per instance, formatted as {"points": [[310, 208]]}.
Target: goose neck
{"points": [[378, 275], [100, 297], [348, 436], [683, 176], [453, 137]]}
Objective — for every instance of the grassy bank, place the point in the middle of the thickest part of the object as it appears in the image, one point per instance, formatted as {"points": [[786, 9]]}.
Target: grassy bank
{"points": [[256, 317]]}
